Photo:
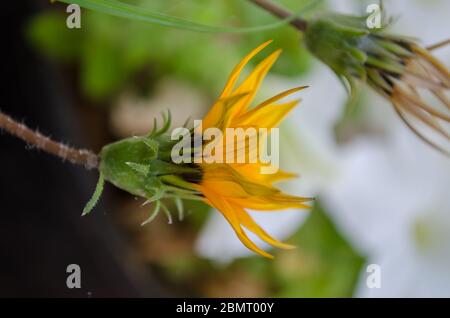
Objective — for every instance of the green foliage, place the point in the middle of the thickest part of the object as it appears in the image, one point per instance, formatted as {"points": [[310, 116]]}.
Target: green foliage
{"points": [[137, 13], [96, 196], [45, 31], [154, 213], [111, 52], [335, 265]]}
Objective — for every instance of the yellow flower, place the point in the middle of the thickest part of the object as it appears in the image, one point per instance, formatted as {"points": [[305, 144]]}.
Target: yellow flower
{"points": [[234, 187], [149, 166]]}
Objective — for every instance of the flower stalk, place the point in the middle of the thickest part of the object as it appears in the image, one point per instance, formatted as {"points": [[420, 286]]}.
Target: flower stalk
{"points": [[281, 13], [86, 158]]}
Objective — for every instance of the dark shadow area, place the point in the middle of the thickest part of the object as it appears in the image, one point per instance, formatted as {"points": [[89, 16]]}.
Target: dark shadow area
{"points": [[41, 197]]}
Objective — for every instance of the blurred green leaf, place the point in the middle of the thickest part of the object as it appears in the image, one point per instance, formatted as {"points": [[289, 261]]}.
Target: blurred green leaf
{"points": [[114, 54], [102, 70], [197, 213], [125, 10], [325, 264], [49, 34]]}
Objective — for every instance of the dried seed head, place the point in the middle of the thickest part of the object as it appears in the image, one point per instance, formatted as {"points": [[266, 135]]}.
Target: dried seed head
{"points": [[396, 67]]}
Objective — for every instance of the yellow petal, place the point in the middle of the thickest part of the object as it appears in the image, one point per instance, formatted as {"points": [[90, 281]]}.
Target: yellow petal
{"points": [[253, 172], [251, 84], [269, 204], [280, 96], [231, 186], [216, 115], [247, 221], [230, 215], [268, 116], [238, 69]]}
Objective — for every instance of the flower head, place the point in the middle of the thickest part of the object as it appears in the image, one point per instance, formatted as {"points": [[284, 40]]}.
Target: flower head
{"points": [[234, 187], [145, 166], [396, 67]]}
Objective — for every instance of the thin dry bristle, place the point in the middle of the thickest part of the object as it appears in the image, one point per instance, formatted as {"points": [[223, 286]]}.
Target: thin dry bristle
{"points": [[419, 134], [438, 45]]}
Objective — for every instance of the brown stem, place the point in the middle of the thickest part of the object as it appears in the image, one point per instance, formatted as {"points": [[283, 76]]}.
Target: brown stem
{"points": [[83, 157], [281, 12]]}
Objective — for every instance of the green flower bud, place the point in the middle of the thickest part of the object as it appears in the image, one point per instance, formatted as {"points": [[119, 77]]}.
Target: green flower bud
{"points": [[142, 166], [337, 41]]}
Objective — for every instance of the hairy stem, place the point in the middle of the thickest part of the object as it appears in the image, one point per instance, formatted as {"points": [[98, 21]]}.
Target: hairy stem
{"points": [[83, 157], [281, 12]]}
